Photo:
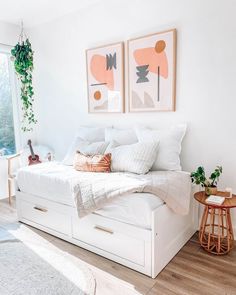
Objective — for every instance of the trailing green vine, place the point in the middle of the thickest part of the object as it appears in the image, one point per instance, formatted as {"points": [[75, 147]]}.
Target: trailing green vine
{"points": [[22, 55]]}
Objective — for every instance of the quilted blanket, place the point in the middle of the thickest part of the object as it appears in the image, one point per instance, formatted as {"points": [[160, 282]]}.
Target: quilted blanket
{"points": [[91, 191]]}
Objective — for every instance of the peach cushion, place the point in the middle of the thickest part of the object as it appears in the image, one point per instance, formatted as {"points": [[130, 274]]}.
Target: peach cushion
{"points": [[94, 163]]}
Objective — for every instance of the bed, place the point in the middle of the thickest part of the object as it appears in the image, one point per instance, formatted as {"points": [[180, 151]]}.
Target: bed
{"points": [[137, 230]]}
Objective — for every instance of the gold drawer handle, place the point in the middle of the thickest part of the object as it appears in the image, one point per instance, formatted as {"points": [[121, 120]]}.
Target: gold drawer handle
{"points": [[40, 209], [101, 228]]}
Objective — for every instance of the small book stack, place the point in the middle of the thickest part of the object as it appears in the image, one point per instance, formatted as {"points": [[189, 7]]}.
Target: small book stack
{"points": [[216, 200]]}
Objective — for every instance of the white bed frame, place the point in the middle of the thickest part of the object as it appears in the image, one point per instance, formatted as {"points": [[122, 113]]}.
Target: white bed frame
{"points": [[145, 250]]}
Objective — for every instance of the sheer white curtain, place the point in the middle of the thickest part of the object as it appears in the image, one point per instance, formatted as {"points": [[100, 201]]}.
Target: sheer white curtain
{"points": [[10, 138]]}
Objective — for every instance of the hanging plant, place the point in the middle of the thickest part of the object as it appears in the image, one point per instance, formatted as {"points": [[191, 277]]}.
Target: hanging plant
{"points": [[22, 55]]}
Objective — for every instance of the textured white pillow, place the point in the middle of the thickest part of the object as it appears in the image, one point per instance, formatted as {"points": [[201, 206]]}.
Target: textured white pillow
{"points": [[136, 158], [91, 134], [121, 136], [84, 147], [169, 147]]}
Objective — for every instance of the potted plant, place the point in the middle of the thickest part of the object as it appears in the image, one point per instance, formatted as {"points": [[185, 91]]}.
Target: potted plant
{"points": [[22, 55], [210, 184]]}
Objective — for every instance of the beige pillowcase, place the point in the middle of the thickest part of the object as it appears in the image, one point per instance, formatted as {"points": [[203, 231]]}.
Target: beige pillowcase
{"points": [[93, 163]]}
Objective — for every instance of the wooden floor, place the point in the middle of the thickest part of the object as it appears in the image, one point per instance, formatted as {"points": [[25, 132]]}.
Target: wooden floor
{"points": [[192, 271]]}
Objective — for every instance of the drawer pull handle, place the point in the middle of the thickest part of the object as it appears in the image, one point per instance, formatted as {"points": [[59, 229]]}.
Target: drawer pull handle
{"points": [[40, 209], [101, 228]]}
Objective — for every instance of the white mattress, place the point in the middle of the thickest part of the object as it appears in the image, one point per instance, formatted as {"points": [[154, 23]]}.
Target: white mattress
{"points": [[52, 182]]}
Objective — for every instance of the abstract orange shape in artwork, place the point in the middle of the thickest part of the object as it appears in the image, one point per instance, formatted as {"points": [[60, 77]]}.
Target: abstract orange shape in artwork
{"points": [[154, 57], [97, 95], [99, 71]]}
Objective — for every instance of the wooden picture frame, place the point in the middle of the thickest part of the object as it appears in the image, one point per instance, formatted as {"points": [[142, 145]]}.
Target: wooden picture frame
{"points": [[105, 78], [152, 72]]}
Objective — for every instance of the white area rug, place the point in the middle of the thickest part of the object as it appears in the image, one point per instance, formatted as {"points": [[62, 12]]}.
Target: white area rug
{"points": [[44, 270]]}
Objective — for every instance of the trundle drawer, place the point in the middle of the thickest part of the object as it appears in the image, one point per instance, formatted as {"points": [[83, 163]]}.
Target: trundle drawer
{"points": [[109, 238], [46, 216]]}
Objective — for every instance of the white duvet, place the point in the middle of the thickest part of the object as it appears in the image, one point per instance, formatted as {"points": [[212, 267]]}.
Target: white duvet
{"points": [[51, 181], [92, 191]]}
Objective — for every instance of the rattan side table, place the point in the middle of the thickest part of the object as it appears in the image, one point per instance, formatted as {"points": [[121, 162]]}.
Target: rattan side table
{"points": [[216, 232]]}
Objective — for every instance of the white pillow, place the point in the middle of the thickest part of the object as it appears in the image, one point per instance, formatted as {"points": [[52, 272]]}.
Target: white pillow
{"points": [[169, 147], [121, 136], [84, 147], [136, 158], [91, 134]]}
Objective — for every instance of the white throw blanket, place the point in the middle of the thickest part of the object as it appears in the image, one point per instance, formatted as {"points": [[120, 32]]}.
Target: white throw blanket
{"points": [[92, 191]]}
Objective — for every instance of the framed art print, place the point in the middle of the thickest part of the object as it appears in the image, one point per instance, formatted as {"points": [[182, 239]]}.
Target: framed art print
{"points": [[105, 79], [152, 72]]}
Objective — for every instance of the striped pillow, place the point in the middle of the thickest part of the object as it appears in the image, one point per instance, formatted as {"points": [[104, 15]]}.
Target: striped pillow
{"points": [[135, 158], [94, 163]]}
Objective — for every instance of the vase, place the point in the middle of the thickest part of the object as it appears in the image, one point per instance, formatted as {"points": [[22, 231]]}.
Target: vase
{"points": [[210, 190]]}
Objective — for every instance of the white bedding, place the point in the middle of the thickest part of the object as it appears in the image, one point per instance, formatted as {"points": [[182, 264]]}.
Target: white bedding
{"points": [[52, 182], [92, 191], [48, 180]]}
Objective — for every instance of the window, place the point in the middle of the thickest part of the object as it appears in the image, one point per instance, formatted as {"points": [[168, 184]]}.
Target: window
{"points": [[7, 109]]}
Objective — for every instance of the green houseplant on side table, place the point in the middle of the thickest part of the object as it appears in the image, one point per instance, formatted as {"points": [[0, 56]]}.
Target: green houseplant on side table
{"points": [[210, 184]]}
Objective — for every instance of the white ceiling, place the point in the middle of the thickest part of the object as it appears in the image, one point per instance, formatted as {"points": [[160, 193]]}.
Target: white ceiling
{"points": [[35, 12]]}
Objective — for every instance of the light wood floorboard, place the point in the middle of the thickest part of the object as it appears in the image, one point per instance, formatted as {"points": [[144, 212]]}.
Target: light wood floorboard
{"points": [[191, 272]]}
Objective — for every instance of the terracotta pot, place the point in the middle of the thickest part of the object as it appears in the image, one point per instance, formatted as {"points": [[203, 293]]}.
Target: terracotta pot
{"points": [[210, 191]]}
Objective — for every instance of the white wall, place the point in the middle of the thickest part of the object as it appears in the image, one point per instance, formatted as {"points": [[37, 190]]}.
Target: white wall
{"points": [[206, 73], [8, 33]]}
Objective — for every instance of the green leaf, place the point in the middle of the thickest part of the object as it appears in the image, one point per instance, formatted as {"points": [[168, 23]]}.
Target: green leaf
{"points": [[23, 62]]}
